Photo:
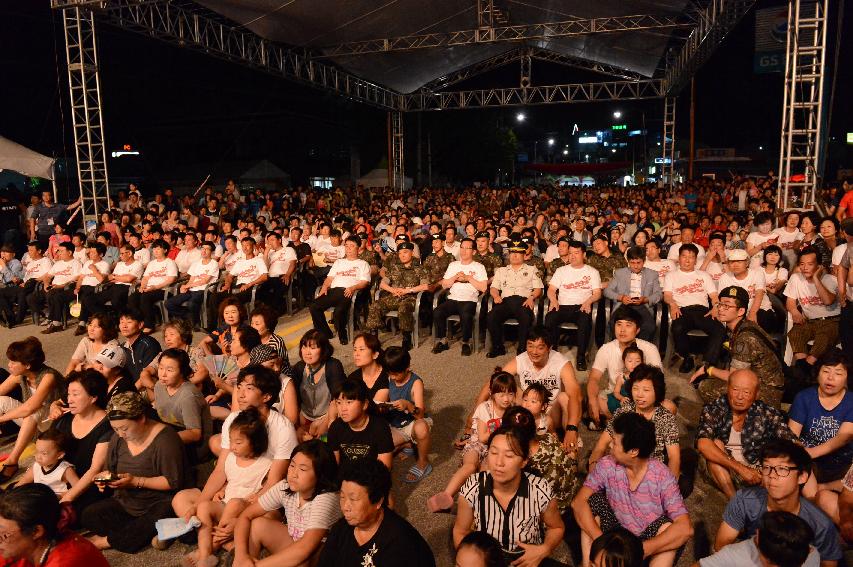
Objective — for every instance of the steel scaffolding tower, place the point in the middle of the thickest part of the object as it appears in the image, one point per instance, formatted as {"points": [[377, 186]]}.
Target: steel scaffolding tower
{"points": [[801, 151], [85, 88], [668, 142], [396, 171]]}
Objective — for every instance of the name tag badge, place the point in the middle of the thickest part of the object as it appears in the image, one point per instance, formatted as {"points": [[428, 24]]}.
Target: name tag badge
{"points": [[49, 222]]}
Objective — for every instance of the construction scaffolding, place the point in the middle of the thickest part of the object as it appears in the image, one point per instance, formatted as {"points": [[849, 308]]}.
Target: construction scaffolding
{"points": [[668, 143], [87, 118], [802, 145]]}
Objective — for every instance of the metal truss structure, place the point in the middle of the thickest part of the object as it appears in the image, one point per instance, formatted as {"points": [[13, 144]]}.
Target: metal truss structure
{"points": [[496, 34], [84, 84], [520, 96], [668, 143], [396, 169], [801, 150], [183, 23]]}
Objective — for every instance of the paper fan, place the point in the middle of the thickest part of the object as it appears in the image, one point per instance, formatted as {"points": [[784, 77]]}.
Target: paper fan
{"points": [[219, 365]]}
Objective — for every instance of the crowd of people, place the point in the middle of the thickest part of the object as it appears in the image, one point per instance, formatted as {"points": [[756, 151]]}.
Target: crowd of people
{"points": [[754, 305]]}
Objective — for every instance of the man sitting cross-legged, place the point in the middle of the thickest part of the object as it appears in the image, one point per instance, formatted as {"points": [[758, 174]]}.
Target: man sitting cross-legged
{"points": [[628, 489]]}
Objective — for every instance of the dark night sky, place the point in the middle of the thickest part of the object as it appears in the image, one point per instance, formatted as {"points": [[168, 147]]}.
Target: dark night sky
{"points": [[181, 107]]}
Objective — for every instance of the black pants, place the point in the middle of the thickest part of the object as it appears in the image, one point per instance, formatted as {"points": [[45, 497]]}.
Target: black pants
{"points": [[115, 295], [465, 310], [570, 314], [36, 300], [145, 303], [124, 532], [13, 300], [176, 307], [693, 318], [58, 300], [335, 298], [511, 307], [273, 293], [664, 327], [647, 327]]}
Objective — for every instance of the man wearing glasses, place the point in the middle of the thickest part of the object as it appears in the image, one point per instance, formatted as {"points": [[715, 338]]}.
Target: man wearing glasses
{"points": [[750, 347], [733, 430], [785, 467]]}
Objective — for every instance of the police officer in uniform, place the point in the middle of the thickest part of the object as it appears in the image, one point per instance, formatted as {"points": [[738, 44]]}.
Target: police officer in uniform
{"points": [[749, 346], [404, 280], [515, 289]]}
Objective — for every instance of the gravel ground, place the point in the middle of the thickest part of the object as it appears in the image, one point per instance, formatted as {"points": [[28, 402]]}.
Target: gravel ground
{"points": [[452, 383]]}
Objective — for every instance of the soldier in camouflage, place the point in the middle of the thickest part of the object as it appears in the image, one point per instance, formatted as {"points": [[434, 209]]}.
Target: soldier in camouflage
{"points": [[392, 259], [562, 259], [750, 347], [436, 263], [531, 259], [365, 253], [606, 262], [403, 281], [490, 260]]}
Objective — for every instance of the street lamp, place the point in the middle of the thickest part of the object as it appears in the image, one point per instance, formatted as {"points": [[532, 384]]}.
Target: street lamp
{"points": [[565, 152], [551, 141], [617, 115], [520, 117]]}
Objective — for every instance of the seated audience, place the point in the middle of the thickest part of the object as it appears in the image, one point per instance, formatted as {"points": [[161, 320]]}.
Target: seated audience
{"points": [[50, 467], [309, 505], [180, 404], [638, 289], [367, 357], [232, 316], [160, 273], [479, 549], [356, 434], [316, 377], [100, 331], [616, 548], [141, 348]]}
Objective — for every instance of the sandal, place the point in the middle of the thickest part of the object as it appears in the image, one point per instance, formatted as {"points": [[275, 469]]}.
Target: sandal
{"points": [[7, 471], [408, 451], [441, 502], [460, 443], [415, 474]]}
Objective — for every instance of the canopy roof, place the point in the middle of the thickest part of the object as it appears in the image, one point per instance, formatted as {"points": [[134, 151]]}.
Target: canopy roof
{"points": [[16, 157], [321, 26]]}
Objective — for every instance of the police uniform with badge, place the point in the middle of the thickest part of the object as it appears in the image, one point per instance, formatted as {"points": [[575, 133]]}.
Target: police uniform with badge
{"points": [[749, 346], [403, 280], [517, 286]]}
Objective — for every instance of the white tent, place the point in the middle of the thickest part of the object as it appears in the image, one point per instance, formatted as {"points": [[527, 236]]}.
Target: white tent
{"points": [[379, 178], [16, 157]]}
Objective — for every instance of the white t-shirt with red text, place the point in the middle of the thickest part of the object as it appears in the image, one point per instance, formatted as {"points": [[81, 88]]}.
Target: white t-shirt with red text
{"points": [[753, 281], [689, 288], [575, 285], [807, 297], [64, 271], [247, 270], [279, 260], [662, 266], [464, 291], [347, 273], [158, 271], [37, 269]]}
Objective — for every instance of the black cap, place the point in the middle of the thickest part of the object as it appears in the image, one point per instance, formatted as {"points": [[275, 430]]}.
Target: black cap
{"points": [[402, 238], [602, 236], [738, 293], [482, 234], [437, 236], [405, 245], [517, 246]]}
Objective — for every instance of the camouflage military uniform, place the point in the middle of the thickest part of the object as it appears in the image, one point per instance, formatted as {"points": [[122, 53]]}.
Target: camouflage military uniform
{"points": [[538, 264], [606, 266], [750, 347], [490, 261], [554, 265], [435, 266], [398, 276], [371, 257]]}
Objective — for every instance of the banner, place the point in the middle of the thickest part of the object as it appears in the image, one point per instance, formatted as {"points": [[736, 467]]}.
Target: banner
{"points": [[771, 33]]}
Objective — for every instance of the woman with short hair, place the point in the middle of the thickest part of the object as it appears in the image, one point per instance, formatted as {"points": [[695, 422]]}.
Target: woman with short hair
{"points": [[317, 376]]}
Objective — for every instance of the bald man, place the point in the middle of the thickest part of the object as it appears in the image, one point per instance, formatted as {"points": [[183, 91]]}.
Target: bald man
{"points": [[732, 431]]}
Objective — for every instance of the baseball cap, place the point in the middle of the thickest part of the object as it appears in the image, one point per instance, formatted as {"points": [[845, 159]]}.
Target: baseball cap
{"points": [[112, 356], [482, 234], [517, 246], [737, 255], [437, 236], [565, 239], [738, 293], [405, 245], [402, 238]]}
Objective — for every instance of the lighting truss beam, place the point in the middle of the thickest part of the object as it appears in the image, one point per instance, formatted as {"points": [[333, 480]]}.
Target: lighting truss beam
{"points": [[543, 31], [585, 64], [715, 21], [552, 94], [175, 24]]}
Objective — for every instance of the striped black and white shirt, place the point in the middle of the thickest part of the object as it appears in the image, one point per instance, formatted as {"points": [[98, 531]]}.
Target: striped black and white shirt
{"points": [[522, 519]]}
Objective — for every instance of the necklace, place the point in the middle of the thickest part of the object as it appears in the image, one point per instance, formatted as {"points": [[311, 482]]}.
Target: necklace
{"points": [[45, 553]]}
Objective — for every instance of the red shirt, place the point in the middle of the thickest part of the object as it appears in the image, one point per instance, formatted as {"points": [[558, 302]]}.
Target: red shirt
{"points": [[72, 551], [847, 203]]}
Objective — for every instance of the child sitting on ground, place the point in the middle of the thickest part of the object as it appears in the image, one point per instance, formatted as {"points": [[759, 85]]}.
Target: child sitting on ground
{"points": [[245, 471], [536, 399], [487, 418], [407, 411], [50, 469]]}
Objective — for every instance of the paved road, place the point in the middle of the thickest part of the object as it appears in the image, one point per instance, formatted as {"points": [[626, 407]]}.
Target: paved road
{"points": [[452, 383]]}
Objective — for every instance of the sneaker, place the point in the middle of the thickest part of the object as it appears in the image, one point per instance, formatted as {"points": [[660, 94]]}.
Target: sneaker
{"points": [[495, 353], [80, 330], [440, 347], [466, 349], [687, 365], [580, 363], [52, 329], [44, 322]]}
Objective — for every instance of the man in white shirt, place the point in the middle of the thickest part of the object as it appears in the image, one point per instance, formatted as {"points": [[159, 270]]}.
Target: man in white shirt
{"points": [[281, 261], [94, 272], [753, 281], [160, 273], [23, 293], [466, 280], [63, 274], [451, 245], [190, 254], [248, 271], [125, 274], [686, 291], [140, 253], [813, 306], [187, 302], [687, 234], [346, 277], [571, 292]]}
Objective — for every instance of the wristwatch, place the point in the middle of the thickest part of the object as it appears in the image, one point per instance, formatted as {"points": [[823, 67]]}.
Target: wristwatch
{"points": [[571, 427]]}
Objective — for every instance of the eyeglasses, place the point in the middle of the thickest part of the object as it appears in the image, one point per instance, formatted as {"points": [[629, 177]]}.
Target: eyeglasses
{"points": [[779, 470], [721, 305]]}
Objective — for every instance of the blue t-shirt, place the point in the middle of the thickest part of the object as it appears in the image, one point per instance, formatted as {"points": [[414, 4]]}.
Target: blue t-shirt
{"points": [[820, 425], [745, 510]]}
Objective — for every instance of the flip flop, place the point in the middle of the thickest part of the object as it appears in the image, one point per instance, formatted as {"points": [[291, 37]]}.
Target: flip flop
{"points": [[4, 474], [460, 443], [415, 474], [440, 502], [408, 451]]}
